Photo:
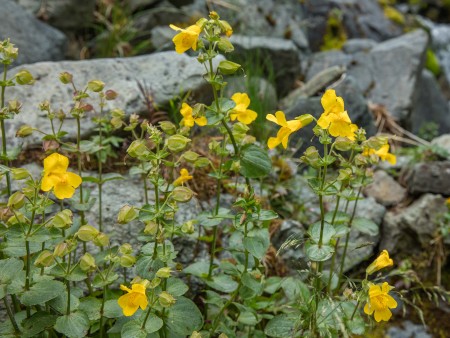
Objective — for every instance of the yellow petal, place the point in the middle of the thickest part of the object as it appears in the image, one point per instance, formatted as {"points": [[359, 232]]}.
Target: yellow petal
{"points": [[248, 116], [142, 301], [271, 118], [175, 28], [324, 121], [328, 99], [139, 288], [281, 118], [384, 314], [124, 288], [241, 98], [186, 110], [201, 121], [272, 142], [73, 179], [63, 190], [368, 309], [391, 302], [49, 181], [294, 125], [56, 163]]}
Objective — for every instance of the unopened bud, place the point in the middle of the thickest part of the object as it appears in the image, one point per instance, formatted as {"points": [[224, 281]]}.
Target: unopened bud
{"points": [[166, 299], [61, 249], [14, 106], [24, 131], [101, 239], [225, 45], [343, 143], [96, 85], [305, 119], [228, 67], [213, 15], [62, 219], [164, 272], [127, 261], [19, 174], [65, 77], [126, 249], [44, 259], [177, 143], [126, 214], [188, 227], [168, 127], [151, 228], [226, 28], [111, 94], [44, 106], [182, 194], [87, 262], [24, 77], [16, 200], [87, 233], [137, 148]]}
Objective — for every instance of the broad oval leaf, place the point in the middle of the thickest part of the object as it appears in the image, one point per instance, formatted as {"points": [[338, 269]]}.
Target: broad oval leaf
{"points": [[255, 162], [74, 325], [281, 326], [42, 292], [327, 233], [184, 317], [318, 254]]}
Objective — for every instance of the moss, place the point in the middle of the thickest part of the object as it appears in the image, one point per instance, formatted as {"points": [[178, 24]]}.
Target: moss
{"points": [[432, 63], [335, 35], [394, 15]]}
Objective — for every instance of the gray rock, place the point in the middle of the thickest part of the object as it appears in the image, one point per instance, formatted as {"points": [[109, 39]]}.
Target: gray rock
{"points": [[360, 19], [429, 105], [165, 74], [163, 14], [161, 37], [358, 45], [385, 189], [408, 329], [322, 60], [443, 142], [137, 4], [283, 55], [440, 42], [432, 177], [67, 15], [36, 40], [411, 228]]}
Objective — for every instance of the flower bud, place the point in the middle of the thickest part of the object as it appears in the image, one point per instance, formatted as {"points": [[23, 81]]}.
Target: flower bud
{"points": [[96, 85], [228, 67], [116, 122], [24, 77], [19, 174], [14, 106], [117, 113], [177, 143], [44, 106], [305, 119], [63, 219], [151, 228], [101, 239], [213, 15], [126, 249], [87, 233], [111, 95], [166, 299], [225, 45], [16, 200], [200, 22], [311, 157], [61, 115], [343, 143], [44, 259], [127, 261], [16, 219], [65, 77], [190, 156], [188, 227], [126, 214], [24, 131], [61, 249], [137, 148], [182, 194], [226, 28], [164, 272], [195, 334], [168, 127], [87, 262]]}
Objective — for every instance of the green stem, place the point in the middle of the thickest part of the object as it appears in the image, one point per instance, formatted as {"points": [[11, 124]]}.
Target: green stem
{"points": [[356, 308], [11, 316], [102, 309], [83, 221], [2, 123], [68, 285]]}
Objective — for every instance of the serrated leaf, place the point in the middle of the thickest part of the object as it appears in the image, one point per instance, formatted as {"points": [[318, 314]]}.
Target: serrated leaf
{"points": [[74, 325], [223, 283], [255, 162], [281, 326], [37, 323], [184, 317], [42, 292], [256, 246], [327, 232]]}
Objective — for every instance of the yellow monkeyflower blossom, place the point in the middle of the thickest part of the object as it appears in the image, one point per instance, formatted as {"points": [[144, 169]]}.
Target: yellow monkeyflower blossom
{"points": [[57, 177], [382, 153], [335, 118], [135, 298], [287, 128], [240, 111], [382, 261], [447, 201], [186, 39], [188, 119], [380, 302], [184, 177]]}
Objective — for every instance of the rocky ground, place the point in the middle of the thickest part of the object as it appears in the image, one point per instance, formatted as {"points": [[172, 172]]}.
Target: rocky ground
{"points": [[394, 76]]}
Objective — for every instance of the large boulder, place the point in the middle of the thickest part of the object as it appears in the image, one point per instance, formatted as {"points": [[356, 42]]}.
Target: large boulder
{"points": [[36, 40], [429, 177], [164, 74], [385, 189]]}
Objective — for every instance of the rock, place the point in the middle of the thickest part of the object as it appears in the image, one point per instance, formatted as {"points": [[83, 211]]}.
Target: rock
{"points": [[67, 15], [165, 74], [138, 4], [358, 45], [429, 177], [322, 60], [161, 37], [283, 55], [443, 142], [360, 19], [440, 42], [429, 105], [163, 14], [385, 189], [36, 40], [411, 228], [408, 329]]}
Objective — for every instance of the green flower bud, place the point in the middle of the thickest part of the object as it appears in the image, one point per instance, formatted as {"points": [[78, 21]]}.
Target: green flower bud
{"points": [[345, 174], [61, 250], [14, 106], [126, 249], [182, 194], [101, 239], [87, 233], [305, 119], [16, 219], [24, 77], [151, 228], [44, 106], [311, 157], [24, 131], [213, 15], [375, 142], [16, 200], [225, 45], [190, 156], [228, 67], [226, 28], [87, 262], [195, 334], [154, 283], [127, 261], [177, 143], [343, 143], [126, 214], [96, 85], [164, 272], [168, 127], [201, 162], [116, 122], [65, 77], [166, 299], [137, 148], [117, 113], [20, 174], [44, 259], [63, 219], [188, 227]]}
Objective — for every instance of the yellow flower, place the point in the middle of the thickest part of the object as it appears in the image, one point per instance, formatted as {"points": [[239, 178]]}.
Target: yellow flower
{"points": [[135, 298], [188, 119], [382, 153], [57, 177], [186, 39], [447, 201], [287, 128], [382, 261], [380, 302], [335, 118], [184, 177], [240, 111]]}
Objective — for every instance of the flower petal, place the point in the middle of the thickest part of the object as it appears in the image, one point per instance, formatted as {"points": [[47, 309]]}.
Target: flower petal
{"points": [[73, 179], [63, 190]]}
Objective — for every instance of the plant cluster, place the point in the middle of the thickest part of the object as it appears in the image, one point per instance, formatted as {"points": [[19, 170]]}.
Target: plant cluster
{"points": [[60, 275]]}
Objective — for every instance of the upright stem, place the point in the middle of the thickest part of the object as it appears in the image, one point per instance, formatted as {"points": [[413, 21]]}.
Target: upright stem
{"points": [[68, 285], [83, 221], [2, 124], [102, 309], [11, 316]]}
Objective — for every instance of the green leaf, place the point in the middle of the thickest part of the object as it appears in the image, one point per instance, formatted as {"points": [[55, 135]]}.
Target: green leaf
{"points": [[255, 162], [176, 287], [9, 268], [213, 117], [112, 309], [42, 292], [340, 218], [99, 282], [265, 215], [111, 177], [91, 306], [366, 226], [318, 254], [224, 104], [281, 326], [184, 317], [223, 283], [153, 324], [327, 234], [251, 287], [295, 288], [199, 269], [74, 325], [38, 322], [60, 303], [16, 247], [133, 329], [256, 246]]}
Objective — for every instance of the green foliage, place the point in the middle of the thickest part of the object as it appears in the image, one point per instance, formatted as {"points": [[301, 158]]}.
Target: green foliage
{"points": [[335, 35]]}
